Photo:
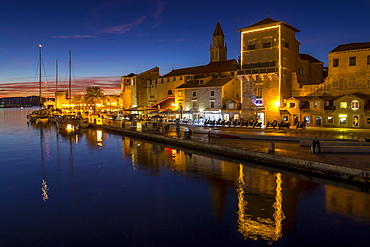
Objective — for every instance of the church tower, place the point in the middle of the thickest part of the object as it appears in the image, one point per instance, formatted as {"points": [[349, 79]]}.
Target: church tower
{"points": [[218, 49]]}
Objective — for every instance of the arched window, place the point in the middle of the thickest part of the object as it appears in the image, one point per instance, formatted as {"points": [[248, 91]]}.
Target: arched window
{"points": [[169, 92]]}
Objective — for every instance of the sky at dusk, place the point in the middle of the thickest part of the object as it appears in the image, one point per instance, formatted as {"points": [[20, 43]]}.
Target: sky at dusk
{"points": [[109, 39]]}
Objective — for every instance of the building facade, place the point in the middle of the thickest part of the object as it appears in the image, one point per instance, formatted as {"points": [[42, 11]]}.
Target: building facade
{"points": [[342, 99], [272, 81], [270, 65]]}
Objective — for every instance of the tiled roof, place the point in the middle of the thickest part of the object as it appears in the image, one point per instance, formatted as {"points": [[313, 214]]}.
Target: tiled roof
{"points": [[166, 103], [309, 58], [361, 96], [218, 30], [212, 67], [269, 20], [215, 82], [352, 46], [302, 99], [327, 97]]}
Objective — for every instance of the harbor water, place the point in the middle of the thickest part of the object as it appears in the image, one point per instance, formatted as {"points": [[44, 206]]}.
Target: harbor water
{"points": [[92, 188]]}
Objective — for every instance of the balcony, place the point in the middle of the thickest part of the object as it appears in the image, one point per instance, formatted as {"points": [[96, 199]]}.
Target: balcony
{"points": [[258, 71]]}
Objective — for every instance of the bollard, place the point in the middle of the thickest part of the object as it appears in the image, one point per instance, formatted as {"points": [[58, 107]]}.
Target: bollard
{"points": [[271, 147]]}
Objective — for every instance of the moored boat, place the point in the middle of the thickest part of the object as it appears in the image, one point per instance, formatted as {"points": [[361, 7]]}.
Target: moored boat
{"points": [[42, 115], [83, 123], [68, 122]]}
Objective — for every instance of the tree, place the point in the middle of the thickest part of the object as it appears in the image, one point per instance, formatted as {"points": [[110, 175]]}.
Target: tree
{"points": [[94, 95]]}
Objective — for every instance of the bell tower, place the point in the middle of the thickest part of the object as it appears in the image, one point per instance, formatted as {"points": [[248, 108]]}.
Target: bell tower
{"points": [[218, 49]]}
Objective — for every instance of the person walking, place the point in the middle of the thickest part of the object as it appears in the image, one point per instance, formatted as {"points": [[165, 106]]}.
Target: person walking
{"points": [[316, 143]]}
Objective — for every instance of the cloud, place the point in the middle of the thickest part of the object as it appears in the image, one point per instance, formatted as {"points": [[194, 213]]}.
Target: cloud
{"points": [[18, 60], [157, 15], [117, 29], [120, 29], [75, 36], [109, 84]]}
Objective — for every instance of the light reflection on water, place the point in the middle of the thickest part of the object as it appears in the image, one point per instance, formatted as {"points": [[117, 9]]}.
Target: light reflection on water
{"points": [[91, 188]]}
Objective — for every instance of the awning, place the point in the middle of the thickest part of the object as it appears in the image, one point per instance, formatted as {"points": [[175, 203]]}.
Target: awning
{"points": [[141, 108]]}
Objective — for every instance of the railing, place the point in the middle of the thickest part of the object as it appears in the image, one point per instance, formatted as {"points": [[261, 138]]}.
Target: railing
{"points": [[258, 71]]}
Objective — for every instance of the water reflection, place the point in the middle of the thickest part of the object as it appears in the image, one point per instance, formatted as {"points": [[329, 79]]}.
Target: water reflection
{"points": [[266, 201], [45, 190], [347, 203], [259, 193], [254, 222]]}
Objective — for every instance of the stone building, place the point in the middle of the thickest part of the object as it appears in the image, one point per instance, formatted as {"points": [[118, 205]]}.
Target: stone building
{"points": [[270, 64], [210, 98], [151, 89], [342, 100], [134, 91], [163, 88]]}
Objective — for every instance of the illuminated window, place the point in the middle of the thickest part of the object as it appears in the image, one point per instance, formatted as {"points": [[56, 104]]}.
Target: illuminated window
{"points": [[342, 119], [352, 61], [286, 118], [335, 62], [343, 104], [354, 105], [315, 104], [330, 119], [259, 102], [179, 93]]}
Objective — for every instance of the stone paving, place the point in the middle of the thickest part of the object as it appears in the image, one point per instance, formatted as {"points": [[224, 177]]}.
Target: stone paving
{"points": [[250, 139]]}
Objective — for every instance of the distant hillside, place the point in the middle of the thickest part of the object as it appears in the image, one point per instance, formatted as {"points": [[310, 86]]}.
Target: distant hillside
{"points": [[22, 101]]}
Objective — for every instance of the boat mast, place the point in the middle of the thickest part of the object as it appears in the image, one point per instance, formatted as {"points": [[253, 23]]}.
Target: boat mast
{"points": [[70, 75], [56, 75], [40, 83]]}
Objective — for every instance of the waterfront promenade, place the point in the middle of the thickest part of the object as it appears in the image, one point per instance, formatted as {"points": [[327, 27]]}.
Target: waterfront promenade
{"points": [[254, 144]]}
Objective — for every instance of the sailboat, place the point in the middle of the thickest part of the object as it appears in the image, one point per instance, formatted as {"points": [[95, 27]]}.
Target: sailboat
{"points": [[42, 115], [69, 122]]}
